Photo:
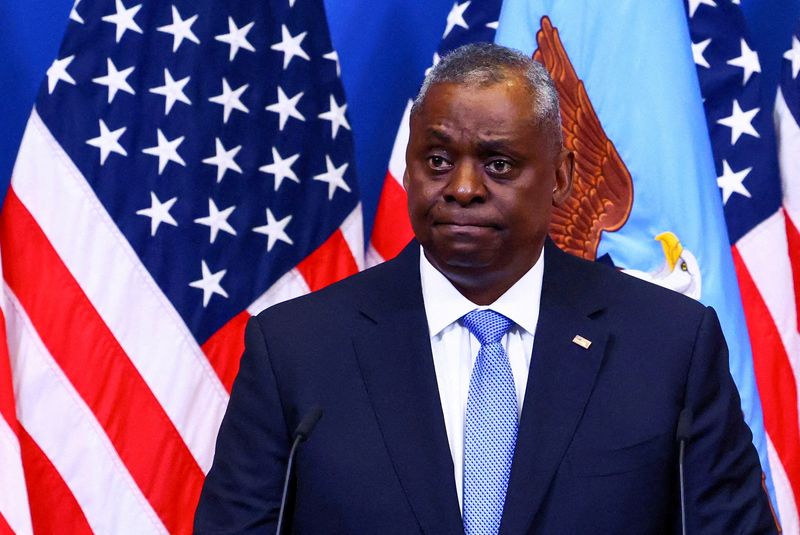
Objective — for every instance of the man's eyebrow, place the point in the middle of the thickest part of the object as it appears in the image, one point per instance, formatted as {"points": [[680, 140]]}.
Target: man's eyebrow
{"points": [[500, 144], [438, 134]]}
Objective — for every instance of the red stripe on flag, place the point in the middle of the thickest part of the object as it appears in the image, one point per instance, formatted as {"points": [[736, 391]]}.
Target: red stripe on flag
{"points": [[5, 529], [774, 376], [332, 261], [98, 368], [7, 408], [53, 507], [225, 348], [793, 238], [392, 229]]}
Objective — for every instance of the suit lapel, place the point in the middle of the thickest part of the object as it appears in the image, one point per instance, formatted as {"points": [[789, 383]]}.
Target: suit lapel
{"points": [[561, 377], [394, 355]]}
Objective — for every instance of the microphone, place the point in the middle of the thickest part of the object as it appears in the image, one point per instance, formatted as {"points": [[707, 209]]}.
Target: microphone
{"points": [[682, 435], [301, 433]]}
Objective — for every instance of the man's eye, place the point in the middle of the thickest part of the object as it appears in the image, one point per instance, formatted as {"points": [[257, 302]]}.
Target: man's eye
{"points": [[438, 162], [498, 167]]}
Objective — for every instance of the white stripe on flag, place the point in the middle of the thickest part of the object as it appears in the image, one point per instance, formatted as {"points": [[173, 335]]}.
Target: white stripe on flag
{"points": [[66, 430], [147, 327], [373, 257], [353, 231], [291, 285], [764, 252], [14, 496], [788, 133], [787, 510], [397, 161]]}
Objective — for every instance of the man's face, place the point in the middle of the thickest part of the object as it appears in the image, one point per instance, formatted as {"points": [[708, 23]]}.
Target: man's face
{"points": [[481, 180]]}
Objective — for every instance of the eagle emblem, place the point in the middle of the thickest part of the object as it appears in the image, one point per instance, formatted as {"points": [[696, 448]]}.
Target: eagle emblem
{"points": [[602, 189]]}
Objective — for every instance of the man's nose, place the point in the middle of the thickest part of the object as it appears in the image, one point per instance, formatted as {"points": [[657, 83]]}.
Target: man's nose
{"points": [[466, 185]]}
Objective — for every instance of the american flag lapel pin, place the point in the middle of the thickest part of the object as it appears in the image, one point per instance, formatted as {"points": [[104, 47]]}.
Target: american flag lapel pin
{"points": [[581, 341]]}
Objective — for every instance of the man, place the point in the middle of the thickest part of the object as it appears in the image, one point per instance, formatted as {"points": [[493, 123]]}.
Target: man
{"points": [[484, 381]]}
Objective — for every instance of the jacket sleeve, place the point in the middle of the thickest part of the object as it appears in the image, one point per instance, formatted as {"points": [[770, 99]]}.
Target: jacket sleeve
{"points": [[242, 491], [724, 490]]}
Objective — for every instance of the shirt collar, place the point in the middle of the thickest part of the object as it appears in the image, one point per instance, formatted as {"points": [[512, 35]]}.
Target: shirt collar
{"points": [[444, 304]]}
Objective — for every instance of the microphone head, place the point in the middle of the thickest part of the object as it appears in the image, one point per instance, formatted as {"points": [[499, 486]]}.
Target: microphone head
{"points": [[306, 425], [684, 428]]}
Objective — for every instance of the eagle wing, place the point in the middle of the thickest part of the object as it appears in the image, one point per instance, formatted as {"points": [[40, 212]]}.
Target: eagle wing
{"points": [[602, 189]]}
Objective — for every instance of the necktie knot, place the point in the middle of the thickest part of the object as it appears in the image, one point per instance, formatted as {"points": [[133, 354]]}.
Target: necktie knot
{"points": [[486, 325]]}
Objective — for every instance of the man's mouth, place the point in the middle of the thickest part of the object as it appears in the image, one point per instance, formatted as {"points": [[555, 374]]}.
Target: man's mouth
{"points": [[464, 223], [465, 227]]}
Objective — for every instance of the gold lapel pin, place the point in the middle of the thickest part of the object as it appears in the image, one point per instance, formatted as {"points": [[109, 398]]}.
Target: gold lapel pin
{"points": [[581, 341]]}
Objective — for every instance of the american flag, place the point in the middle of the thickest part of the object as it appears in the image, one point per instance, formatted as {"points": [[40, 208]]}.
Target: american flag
{"points": [[186, 165], [762, 217], [467, 22]]}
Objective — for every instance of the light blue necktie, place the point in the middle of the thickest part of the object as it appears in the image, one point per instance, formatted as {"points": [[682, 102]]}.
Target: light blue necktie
{"points": [[490, 430]]}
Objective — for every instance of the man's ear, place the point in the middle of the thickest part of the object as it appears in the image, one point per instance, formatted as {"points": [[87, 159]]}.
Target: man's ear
{"points": [[405, 178], [564, 176]]}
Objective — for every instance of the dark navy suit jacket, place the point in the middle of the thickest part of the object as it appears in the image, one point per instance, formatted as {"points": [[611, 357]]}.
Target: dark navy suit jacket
{"points": [[596, 450]]}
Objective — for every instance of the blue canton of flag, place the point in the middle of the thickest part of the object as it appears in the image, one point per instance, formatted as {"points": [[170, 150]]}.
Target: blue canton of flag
{"points": [[469, 22], [741, 130], [213, 133]]}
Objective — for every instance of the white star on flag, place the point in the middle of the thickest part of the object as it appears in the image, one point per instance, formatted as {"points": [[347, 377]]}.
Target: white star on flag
{"points": [[334, 176], [180, 29], [217, 220], [456, 17], [230, 100], [123, 19], [290, 46], [694, 4], [281, 168], [731, 182], [224, 160], [209, 283], [793, 55], [336, 116], [286, 107], [748, 61], [334, 57], [493, 25], [740, 122], [166, 150], [115, 80], [107, 142], [172, 90], [274, 230], [57, 72], [73, 13], [697, 53], [158, 213], [236, 38]]}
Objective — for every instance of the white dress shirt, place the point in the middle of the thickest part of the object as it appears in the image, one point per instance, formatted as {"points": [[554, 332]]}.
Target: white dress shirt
{"points": [[455, 348]]}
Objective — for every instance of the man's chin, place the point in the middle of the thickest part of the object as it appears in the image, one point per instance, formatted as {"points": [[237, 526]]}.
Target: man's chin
{"points": [[461, 258]]}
